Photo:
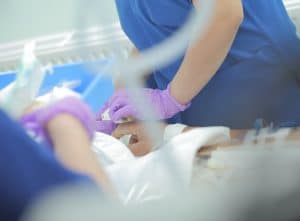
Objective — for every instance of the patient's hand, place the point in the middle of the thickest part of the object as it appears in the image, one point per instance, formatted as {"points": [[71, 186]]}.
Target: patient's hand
{"points": [[140, 143]]}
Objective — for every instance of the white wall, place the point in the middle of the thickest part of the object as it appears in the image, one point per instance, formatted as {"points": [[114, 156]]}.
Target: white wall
{"points": [[23, 19]]}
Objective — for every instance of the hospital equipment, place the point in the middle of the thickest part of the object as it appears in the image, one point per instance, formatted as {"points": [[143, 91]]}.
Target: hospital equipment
{"points": [[27, 84]]}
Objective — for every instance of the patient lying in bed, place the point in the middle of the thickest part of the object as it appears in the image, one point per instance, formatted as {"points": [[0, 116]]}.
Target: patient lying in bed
{"points": [[119, 168], [114, 167]]}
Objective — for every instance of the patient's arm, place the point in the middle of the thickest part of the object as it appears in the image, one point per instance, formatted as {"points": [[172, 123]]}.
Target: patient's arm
{"points": [[237, 138], [141, 145]]}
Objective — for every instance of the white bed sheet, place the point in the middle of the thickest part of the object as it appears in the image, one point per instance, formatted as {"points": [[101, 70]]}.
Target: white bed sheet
{"points": [[158, 173]]}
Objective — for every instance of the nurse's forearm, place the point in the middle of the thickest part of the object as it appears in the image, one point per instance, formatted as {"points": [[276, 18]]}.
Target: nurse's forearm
{"points": [[203, 59]]}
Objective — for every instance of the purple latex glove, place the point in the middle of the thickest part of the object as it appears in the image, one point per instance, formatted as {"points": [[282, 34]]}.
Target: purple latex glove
{"points": [[104, 126], [35, 122], [164, 105]]}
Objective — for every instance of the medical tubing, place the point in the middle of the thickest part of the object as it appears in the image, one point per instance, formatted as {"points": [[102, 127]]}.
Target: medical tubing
{"points": [[155, 58], [91, 90]]}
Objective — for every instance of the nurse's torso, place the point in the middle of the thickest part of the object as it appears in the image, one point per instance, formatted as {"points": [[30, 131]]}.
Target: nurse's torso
{"points": [[258, 76]]}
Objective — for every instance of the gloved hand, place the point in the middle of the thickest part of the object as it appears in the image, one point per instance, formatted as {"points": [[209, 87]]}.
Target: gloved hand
{"points": [[120, 105], [36, 121], [104, 126]]}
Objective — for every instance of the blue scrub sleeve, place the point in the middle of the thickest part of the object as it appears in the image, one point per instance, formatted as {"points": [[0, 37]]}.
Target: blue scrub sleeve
{"points": [[26, 170]]}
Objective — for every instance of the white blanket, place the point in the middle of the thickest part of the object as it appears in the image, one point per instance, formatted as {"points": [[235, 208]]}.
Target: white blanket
{"points": [[162, 172]]}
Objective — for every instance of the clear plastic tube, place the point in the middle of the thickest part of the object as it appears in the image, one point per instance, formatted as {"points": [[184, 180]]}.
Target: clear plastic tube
{"points": [[154, 58], [27, 84]]}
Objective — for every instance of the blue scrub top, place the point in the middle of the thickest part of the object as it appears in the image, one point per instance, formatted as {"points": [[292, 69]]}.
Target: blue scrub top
{"points": [[259, 77]]}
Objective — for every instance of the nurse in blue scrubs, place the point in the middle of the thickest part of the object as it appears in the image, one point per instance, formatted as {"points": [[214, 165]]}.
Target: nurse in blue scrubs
{"points": [[245, 67]]}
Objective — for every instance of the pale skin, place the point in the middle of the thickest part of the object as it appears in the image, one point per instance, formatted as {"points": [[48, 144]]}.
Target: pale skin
{"points": [[73, 149]]}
